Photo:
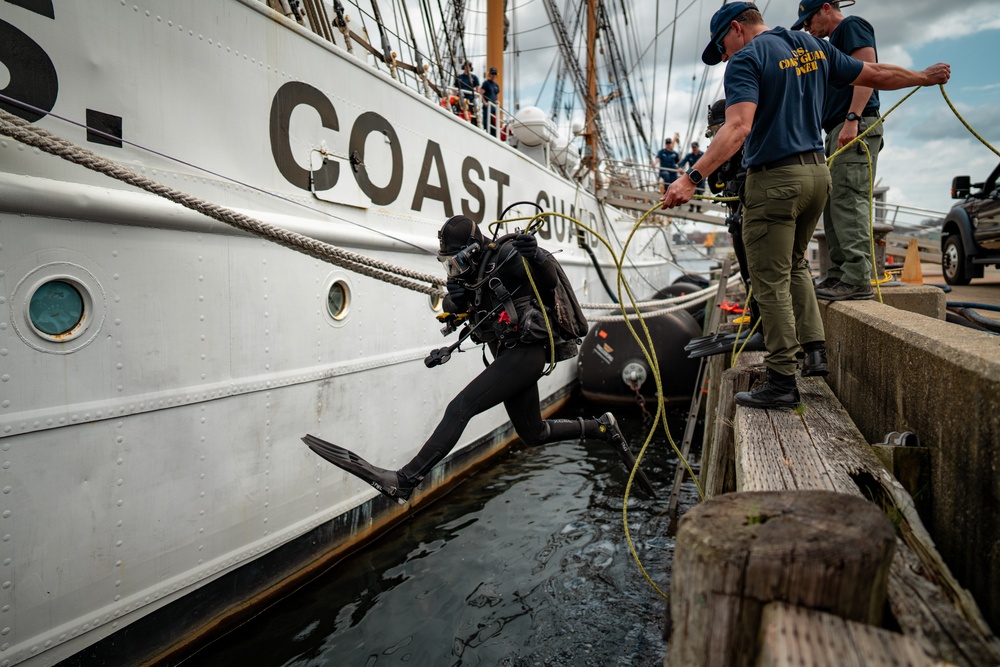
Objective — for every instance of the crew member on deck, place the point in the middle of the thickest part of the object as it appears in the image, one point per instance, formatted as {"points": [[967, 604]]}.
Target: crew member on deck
{"points": [[847, 113], [689, 161], [491, 92], [668, 159], [775, 86], [468, 85]]}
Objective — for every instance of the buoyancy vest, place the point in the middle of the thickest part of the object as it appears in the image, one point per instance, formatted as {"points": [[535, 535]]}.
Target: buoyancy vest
{"points": [[503, 292]]}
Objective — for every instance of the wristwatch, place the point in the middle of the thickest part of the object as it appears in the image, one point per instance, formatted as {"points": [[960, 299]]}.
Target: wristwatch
{"points": [[852, 116], [695, 175]]}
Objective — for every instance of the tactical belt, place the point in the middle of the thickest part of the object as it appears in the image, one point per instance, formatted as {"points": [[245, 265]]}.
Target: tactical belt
{"points": [[798, 158]]}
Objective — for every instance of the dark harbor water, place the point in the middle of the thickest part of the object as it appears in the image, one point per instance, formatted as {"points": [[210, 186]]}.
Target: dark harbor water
{"points": [[524, 564]]}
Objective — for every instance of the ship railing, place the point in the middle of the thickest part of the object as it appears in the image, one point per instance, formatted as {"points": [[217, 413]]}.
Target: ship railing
{"points": [[640, 176], [488, 116], [639, 186], [314, 15]]}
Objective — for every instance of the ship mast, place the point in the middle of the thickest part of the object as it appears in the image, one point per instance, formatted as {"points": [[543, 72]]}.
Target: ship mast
{"points": [[494, 41], [591, 132]]}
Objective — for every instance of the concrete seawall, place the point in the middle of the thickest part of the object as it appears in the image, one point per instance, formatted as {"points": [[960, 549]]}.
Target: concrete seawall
{"points": [[895, 370]]}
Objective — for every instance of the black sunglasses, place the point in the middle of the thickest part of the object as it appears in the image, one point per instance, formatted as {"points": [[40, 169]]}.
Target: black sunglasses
{"points": [[718, 42]]}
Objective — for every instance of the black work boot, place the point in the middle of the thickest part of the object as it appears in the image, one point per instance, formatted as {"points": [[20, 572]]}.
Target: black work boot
{"points": [[845, 292], [777, 391], [827, 283], [814, 362]]}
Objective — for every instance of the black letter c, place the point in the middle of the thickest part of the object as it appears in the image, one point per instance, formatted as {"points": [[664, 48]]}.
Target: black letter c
{"points": [[289, 96]]}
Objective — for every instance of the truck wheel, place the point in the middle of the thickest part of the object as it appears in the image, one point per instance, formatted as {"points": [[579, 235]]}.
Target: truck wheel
{"points": [[953, 261]]}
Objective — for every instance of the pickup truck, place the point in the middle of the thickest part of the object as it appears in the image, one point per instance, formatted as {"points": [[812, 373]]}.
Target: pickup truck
{"points": [[970, 235]]}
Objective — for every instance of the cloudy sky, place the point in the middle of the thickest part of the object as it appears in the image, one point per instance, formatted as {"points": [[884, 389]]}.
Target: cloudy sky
{"points": [[926, 145]]}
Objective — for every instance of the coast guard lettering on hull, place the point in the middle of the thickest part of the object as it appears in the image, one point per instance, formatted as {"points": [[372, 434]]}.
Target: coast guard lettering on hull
{"points": [[34, 80], [432, 184]]}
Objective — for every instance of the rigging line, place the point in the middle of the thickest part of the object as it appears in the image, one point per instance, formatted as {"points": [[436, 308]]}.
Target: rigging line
{"points": [[670, 69], [20, 130], [563, 73], [615, 60], [515, 57], [519, 32], [397, 34], [642, 96], [694, 119], [223, 177], [418, 59], [513, 8], [425, 13], [545, 82], [657, 35], [656, 65], [399, 31], [451, 70]]}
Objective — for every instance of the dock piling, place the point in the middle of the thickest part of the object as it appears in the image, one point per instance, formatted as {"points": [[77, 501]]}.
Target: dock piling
{"points": [[738, 552]]}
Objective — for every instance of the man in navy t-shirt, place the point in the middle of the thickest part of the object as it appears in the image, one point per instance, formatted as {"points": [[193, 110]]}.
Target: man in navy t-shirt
{"points": [[468, 85], [846, 113], [490, 91], [668, 159], [689, 161], [776, 83]]}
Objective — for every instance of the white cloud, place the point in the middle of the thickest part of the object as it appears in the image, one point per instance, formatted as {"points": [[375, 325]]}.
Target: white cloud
{"points": [[926, 145]]}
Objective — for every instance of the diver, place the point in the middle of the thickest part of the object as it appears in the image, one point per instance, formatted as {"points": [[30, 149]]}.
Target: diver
{"points": [[487, 281], [727, 181]]}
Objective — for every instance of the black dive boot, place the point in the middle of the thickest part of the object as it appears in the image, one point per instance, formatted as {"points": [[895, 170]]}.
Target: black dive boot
{"points": [[611, 434], [387, 482], [777, 391], [814, 362]]}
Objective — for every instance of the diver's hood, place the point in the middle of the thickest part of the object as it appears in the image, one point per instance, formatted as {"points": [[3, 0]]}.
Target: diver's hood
{"points": [[457, 233]]}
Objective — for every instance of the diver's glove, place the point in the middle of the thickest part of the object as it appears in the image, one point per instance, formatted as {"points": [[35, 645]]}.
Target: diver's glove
{"points": [[526, 246], [457, 292]]}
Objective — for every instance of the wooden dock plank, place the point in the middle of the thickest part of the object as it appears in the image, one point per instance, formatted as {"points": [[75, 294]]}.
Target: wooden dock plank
{"points": [[784, 450], [778, 450], [796, 637]]}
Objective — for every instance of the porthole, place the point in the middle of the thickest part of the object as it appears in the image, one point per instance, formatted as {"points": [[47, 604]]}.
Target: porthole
{"points": [[338, 300], [56, 309]]}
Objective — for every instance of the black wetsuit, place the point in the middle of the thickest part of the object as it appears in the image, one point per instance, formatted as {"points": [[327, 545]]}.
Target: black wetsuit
{"points": [[520, 353], [728, 180]]}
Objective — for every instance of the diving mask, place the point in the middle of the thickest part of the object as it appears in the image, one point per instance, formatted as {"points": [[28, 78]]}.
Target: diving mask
{"points": [[459, 263]]}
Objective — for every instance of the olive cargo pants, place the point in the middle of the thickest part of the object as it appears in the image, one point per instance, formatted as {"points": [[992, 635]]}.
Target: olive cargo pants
{"points": [[781, 209], [846, 218]]}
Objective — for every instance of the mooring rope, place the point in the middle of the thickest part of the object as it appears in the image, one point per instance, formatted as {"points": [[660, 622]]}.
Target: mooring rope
{"points": [[21, 130]]}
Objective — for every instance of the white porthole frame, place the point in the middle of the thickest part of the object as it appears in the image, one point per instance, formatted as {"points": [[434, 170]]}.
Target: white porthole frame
{"points": [[94, 308]]}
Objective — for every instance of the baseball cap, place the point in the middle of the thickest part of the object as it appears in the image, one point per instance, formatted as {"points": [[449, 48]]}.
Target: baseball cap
{"points": [[493, 70], [720, 24], [806, 9]]}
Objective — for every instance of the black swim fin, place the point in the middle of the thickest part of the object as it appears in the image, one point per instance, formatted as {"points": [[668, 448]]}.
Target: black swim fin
{"points": [[614, 437], [706, 346], [384, 481], [714, 339]]}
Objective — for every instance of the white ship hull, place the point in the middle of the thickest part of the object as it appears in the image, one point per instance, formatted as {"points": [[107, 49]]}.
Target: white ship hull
{"points": [[158, 450]]}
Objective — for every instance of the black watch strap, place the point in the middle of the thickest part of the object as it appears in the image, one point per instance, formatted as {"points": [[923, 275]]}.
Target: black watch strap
{"points": [[853, 116], [695, 176]]}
